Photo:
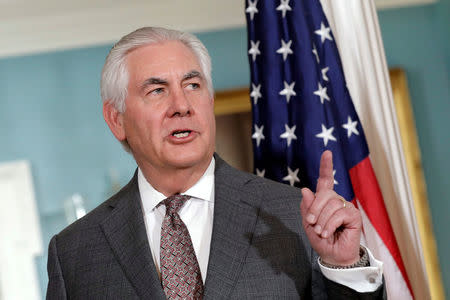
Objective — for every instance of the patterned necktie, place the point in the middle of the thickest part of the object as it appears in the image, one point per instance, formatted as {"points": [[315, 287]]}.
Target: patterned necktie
{"points": [[180, 272]]}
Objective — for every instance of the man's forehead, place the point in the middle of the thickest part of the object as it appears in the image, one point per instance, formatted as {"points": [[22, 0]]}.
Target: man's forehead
{"points": [[162, 50], [159, 58]]}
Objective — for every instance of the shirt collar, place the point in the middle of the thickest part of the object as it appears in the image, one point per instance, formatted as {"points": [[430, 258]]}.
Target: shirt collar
{"points": [[203, 189]]}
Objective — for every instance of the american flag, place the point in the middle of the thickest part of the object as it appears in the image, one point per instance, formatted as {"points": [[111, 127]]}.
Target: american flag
{"points": [[301, 107]]}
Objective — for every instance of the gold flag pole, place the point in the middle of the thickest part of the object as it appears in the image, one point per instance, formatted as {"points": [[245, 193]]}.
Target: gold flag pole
{"points": [[417, 180]]}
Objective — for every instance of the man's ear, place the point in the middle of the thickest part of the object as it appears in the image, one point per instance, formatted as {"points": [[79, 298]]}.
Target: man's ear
{"points": [[114, 119]]}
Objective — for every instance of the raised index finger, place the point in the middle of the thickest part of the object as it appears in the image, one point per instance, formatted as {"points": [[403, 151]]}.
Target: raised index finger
{"points": [[326, 178]]}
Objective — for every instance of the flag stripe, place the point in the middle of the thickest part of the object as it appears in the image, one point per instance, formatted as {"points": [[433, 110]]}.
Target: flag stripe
{"points": [[396, 285], [370, 198]]}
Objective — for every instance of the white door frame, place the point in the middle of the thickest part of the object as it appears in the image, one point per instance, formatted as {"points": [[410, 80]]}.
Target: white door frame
{"points": [[20, 234]]}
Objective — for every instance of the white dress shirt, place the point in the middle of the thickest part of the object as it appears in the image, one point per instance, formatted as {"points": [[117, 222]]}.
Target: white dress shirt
{"points": [[198, 212]]}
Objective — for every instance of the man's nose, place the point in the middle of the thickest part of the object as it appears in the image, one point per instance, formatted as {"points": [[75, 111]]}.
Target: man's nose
{"points": [[180, 104]]}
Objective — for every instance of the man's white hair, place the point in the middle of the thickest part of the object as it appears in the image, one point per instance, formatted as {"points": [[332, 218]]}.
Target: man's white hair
{"points": [[114, 81]]}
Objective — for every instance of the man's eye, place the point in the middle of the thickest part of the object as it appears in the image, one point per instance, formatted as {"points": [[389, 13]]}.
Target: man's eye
{"points": [[156, 91], [194, 85]]}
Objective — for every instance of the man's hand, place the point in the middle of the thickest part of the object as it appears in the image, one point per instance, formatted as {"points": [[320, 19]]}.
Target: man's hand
{"points": [[333, 229]]}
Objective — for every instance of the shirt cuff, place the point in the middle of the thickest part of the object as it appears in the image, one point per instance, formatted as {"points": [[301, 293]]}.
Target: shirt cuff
{"points": [[363, 280]]}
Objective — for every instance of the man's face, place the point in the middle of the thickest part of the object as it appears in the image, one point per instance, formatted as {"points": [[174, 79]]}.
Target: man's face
{"points": [[169, 117]]}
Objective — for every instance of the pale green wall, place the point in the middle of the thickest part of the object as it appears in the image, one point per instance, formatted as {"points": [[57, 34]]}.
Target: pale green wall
{"points": [[50, 114]]}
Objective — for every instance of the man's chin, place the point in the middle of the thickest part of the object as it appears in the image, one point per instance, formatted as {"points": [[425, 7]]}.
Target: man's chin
{"points": [[189, 160]]}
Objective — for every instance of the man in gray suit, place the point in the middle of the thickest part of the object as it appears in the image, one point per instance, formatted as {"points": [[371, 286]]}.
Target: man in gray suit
{"points": [[250, 237]]}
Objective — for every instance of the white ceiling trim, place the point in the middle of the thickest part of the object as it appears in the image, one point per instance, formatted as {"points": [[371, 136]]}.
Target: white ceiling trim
{"points": [[53, 27], [81, 28]]}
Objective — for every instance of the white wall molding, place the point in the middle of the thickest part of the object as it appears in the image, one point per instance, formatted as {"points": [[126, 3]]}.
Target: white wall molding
{"points": [[90, 26], [385, 4], [33, 26]]}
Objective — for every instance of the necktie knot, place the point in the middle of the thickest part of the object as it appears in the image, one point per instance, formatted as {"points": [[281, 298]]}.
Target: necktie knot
{"points": [[174, 203]]}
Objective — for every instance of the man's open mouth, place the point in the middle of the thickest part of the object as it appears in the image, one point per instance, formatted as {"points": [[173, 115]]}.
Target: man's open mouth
{"points": [[181, 133]]}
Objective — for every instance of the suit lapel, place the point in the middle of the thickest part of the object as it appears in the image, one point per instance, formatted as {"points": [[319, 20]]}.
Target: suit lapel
{"points": [[126, 234], [235, 215]]}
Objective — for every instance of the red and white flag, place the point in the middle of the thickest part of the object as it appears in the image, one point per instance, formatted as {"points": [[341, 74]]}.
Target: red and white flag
{"points": [[301, 106]]}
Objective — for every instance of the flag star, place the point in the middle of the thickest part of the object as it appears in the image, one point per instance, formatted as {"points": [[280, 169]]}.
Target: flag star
{"points": [[285, 49], [292, 176], [324, 32], [289, 134], [284, 6], [251, 8], [322, 93], [288, 90], [258, 135], [326, 134], [256, 93], [254, 49], [351, 127], [324, 73], [260, 173], [316, 54], [335, 181]]}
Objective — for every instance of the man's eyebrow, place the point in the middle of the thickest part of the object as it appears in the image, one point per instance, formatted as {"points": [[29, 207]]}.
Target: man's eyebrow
{"points": [[157, 80], [192, 74], [152, 80]]}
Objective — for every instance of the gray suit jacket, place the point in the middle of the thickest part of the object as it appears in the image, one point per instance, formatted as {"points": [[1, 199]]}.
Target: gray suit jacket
{"points": [[258, 248]]}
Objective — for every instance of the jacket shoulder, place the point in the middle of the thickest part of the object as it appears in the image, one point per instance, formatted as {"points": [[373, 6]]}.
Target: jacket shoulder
{"points": [[233, 176], [94, 218], [250, 186]]}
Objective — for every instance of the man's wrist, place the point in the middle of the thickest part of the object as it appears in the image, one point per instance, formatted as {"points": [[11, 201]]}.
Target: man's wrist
{"points": [[362, 262], [364, 280]]}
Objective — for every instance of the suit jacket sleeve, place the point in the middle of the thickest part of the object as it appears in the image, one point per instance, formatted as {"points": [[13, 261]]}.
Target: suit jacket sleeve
{"points": [[280, 241], [338, 291], [56, 288], [323, 288]]}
